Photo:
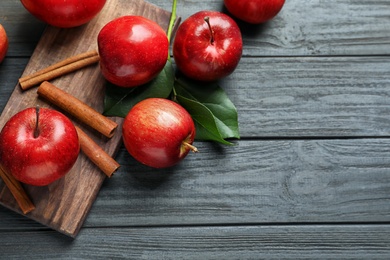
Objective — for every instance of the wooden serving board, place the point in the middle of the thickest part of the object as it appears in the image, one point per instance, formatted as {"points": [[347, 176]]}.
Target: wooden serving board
{"points": [[64, 204]]}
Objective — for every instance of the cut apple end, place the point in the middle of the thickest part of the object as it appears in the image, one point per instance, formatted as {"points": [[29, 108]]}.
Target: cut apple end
{"points": [[187, 145], [36, 130], [207, 20]]}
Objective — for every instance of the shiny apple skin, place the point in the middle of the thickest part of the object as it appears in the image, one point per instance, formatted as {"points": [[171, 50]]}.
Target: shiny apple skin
{"points": [[133, 50], [3, 43], [153, 132], [254, 11], [197, 57], [64, 13], [40, 160]]}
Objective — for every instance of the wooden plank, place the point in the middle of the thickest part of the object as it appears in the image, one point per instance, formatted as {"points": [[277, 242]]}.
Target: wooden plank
{"points": [[23, 30], [285, 181], [240, 242], [311, 28], [64, 204], [10, 71], [297, 97], [302, 28], [258, 181], [312, 96]]}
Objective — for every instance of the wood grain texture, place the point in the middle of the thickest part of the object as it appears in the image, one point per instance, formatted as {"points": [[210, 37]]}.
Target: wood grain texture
{"points": [[312, 96], [253, 182], [282, 181], [63, 205], [23, 30], [309, 179], [242, 242], [311, 28], [298, 97], [302, 28]]}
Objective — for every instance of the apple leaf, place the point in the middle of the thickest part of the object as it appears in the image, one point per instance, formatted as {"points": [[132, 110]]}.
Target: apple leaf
{"points": [[214, 114], [118, 100]]}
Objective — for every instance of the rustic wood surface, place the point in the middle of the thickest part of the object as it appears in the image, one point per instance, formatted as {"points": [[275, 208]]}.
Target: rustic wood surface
{"points": [[64, 204], [310, 177]]}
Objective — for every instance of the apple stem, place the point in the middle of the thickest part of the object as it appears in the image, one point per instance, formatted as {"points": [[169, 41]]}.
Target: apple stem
{"points": [[207, 20], [192, 148], [36, 130], [171, 24]]}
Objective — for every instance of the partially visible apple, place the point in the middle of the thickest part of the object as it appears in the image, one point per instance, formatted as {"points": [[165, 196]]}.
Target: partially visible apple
{"points": [[3, 43], [207, 46], [133, 50], [38, 146], [158, 132], [64, 13], [254, 11]]}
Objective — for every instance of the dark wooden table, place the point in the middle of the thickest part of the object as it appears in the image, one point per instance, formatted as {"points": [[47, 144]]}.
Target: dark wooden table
{"points": [[310, 177]]}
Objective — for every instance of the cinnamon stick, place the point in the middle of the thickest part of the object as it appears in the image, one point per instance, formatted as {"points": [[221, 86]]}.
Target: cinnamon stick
{"points": [[96, 154], [77, 108], [59, 69], [17, 191]]}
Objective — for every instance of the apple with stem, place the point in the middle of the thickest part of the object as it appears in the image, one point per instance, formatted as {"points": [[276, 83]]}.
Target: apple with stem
{"points": [[133, 50], [158, 132], [207, 46], [254, 11], [64, 13], [38, 146], [3, 43]]}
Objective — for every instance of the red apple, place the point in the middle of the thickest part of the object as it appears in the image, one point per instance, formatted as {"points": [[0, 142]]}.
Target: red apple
{"points": [[207, 46], [158, 132], [133, 50], [38, 146], [254, 11], [3, 43], [64, 13]]}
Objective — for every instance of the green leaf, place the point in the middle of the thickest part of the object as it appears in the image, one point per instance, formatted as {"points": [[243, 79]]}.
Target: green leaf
{"points": [[206, 128], [213, 112], [118, 100]]}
